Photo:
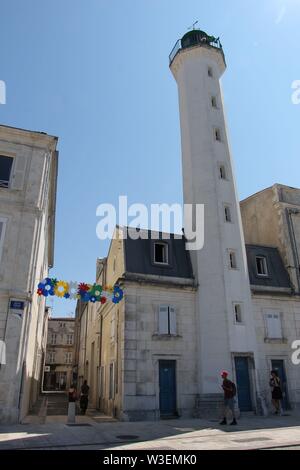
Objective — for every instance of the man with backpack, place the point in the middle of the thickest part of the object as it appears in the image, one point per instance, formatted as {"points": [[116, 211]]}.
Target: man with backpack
{"points": [[229, 389]]}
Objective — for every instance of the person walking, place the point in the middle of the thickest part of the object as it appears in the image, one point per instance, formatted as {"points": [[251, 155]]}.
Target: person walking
{"points": [[84, 397], [229, 389], [275, 385], [71, 407]]}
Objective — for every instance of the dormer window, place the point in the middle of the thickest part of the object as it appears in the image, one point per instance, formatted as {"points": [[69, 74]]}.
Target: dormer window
{"points": [[5, 170], [161, 255], [261, 266]]}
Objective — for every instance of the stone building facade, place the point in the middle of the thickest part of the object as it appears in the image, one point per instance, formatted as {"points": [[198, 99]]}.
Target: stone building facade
{"points": [[271, 220], [125, 349], [58, 372], [28, 175], [188, 314]]}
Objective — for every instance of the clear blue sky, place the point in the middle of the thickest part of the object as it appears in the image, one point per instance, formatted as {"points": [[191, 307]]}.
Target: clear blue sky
{"points": [[95, 73]]}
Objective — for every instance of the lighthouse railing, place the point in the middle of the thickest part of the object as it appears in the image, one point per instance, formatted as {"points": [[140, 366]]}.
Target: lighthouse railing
{"points": [[216, 43]]}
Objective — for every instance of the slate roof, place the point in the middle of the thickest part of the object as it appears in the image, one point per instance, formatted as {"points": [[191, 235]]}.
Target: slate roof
{"points": [[139, 257], [277, 273]]}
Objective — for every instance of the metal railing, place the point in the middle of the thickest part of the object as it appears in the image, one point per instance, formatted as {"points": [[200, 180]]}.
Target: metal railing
{"points": [[4, 184], [204, 41]]}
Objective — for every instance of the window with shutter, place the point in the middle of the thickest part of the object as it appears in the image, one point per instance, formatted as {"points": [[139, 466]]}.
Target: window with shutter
{"points": [[18, 173], [274, 327], [167, 320], [163, 324]]}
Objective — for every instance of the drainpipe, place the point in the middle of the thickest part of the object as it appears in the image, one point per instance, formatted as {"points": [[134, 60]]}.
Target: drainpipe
{"points": [[291, 229], [100, 360]]}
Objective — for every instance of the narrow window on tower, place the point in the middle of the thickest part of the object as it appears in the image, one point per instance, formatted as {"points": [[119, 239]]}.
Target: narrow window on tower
{"points": [[222, 172], [217, 133], [214, 102], [237, 313], [210, 72], [227, 214], [232, 259]]}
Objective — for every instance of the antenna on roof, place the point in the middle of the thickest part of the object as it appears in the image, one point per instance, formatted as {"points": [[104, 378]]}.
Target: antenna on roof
{"points": [[193, 25]]}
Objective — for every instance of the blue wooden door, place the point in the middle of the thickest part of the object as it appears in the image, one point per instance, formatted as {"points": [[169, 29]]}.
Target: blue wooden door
{"points": [[243, 383], [278, 364], [167, 388]]}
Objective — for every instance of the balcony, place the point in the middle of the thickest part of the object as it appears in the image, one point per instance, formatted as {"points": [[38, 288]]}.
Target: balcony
{"points": [[195, 38]]}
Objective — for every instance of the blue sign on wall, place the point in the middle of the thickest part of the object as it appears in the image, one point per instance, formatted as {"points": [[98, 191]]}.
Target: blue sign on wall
{"points": [[17, 304]]}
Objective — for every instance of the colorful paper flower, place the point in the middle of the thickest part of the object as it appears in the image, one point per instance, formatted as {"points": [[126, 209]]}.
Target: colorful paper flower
{"points": [[40, 291], [67, 295], [61, 288], [117, 294], [83, 287], [103, 300], [93, 299], [73, 290], [46, 285], [85, 296], [96, 291]]}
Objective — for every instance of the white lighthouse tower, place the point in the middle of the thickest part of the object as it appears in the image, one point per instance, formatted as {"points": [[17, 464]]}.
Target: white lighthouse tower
{"points": [[225, 325]]}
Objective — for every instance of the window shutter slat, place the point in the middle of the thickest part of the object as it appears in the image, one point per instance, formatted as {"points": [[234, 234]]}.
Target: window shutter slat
{"points": [[19, 173], [172, 321], [274, 327], [163, 321]]}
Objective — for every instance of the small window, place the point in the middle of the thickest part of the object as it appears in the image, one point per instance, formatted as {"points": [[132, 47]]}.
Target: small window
{"points": [[69, 339], [227, 214], [53, 338], [114, 265], [214, 102], [222, 172], [161, 253], [68, 358], [52, 357], [210, 72], [273, 325], [5, 170], [238, 313], [261, 266], [166, 320], [218, 135], [232, 260]]}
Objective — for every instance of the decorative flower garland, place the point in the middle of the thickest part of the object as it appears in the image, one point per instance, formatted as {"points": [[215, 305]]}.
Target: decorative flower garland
{"points": [[80, 290]]}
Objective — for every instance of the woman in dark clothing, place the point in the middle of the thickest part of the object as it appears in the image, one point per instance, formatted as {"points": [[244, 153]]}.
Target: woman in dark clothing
{"points": [[84, 397], [275, 385], [71, 405]]}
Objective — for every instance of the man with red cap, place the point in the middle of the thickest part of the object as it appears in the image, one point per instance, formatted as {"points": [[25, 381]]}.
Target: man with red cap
{"points": [[229, 389]]}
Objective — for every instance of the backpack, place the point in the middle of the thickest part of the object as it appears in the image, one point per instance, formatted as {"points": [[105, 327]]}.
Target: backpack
{"points": [[233, 386]]}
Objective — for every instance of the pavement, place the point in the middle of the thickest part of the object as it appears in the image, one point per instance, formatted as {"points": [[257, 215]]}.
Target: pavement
{"points": [[97, 431]]}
